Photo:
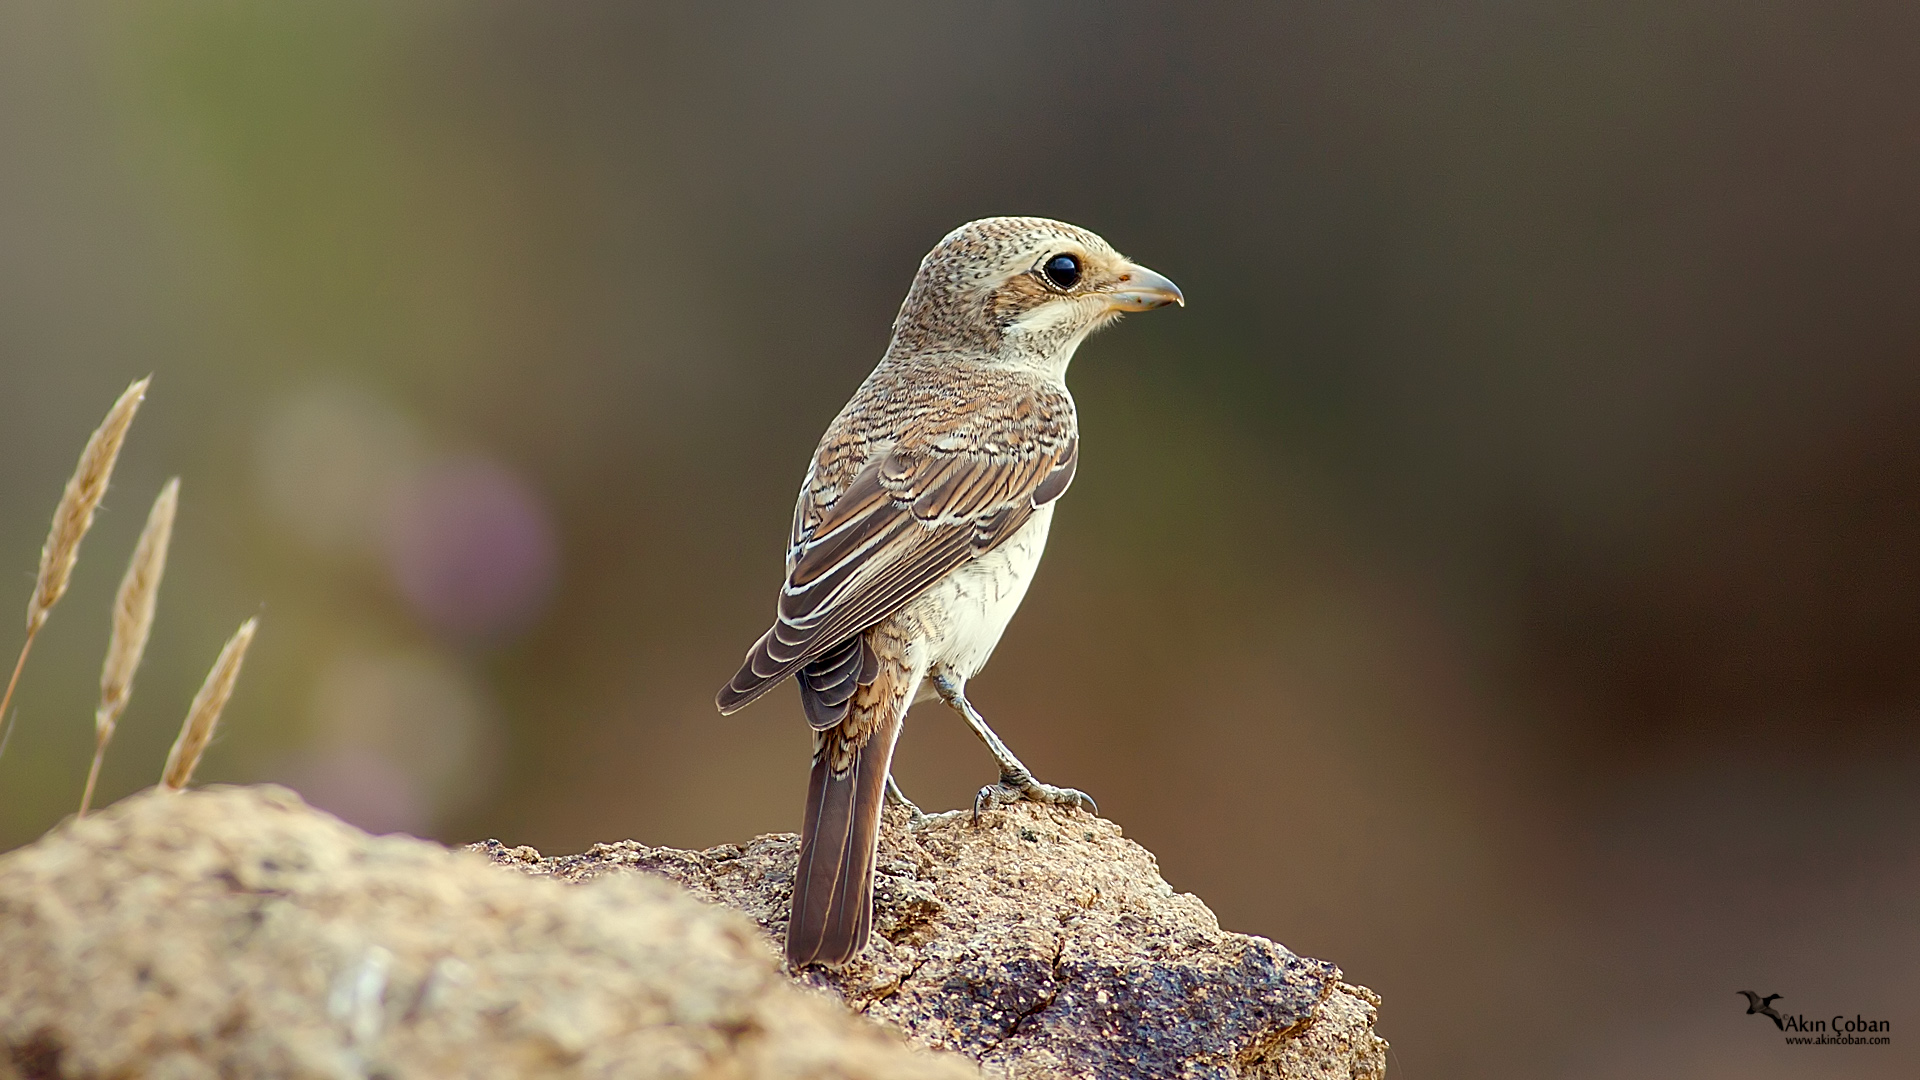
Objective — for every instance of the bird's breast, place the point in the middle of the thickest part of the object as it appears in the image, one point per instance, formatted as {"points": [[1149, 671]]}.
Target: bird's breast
{"points": [[966, 613]]}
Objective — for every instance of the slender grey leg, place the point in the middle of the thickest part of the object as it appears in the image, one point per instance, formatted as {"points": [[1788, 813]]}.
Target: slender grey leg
{"points": [[1016, 780], [918, 819], [899, 798]]}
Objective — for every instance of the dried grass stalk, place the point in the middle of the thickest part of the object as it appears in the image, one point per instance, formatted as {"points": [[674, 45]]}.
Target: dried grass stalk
{"points": [[132, 621], [72, 518], [197, 732]]}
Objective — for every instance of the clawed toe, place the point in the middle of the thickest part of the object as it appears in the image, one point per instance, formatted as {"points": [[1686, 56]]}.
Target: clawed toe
{"points": [[1066, 796], [922, 821], [1062, 796], [991, 796], [1013, 789]]}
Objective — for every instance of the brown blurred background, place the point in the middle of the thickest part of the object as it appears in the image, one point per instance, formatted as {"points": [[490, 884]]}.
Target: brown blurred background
{"points": [[1503, 580]]}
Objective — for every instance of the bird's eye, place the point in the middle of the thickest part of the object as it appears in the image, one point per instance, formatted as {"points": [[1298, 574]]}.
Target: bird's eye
{"points": [[1063, 271]]}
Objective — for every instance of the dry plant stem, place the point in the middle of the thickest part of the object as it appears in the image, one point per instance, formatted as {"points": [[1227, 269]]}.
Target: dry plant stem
{"points": [[133, 608], [202, 717], [93, 775], [8, 696], [73, 517]]}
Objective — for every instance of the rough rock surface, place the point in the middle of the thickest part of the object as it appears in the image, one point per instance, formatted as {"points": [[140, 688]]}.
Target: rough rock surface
{"points": [[235, 932], [1042, 943]]}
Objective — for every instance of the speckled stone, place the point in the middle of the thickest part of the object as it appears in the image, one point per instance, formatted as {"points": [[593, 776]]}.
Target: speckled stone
{"points": [[1042, 943], [237, 932]]}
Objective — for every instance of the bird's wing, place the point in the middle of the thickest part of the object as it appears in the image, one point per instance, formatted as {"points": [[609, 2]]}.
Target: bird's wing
{"points": [[955, 485]]}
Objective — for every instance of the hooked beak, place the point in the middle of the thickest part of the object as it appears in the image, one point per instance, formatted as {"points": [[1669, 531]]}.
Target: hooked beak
{"points": [[1140, 289]]}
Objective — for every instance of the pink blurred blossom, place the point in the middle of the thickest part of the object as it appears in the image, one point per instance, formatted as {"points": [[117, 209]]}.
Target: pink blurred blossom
{"points": [[471, 548]]}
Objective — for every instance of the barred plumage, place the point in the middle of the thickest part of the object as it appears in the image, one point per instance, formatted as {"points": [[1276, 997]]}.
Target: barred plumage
{"points": [[919, 524]]}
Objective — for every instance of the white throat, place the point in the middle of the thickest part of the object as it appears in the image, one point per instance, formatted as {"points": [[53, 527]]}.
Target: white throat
{"points": [[1046, 338]]}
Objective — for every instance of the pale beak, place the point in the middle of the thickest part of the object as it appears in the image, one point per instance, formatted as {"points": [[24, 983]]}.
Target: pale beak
{"points": [[1140, 289]]}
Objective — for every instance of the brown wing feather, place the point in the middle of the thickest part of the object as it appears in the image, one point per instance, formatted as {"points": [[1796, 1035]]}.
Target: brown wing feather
{"points": [[946, 493]]}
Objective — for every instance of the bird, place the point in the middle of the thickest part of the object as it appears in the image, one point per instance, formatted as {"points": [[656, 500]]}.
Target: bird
{"points": [[1764, 1005], [920, 522]]}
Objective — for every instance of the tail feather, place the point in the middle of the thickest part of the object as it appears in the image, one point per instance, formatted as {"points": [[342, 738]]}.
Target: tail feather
{"points": [[827, 684], [833, 883]]}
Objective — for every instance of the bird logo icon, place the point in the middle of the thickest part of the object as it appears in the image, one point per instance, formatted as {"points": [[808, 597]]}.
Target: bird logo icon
{"points": [[1764, 1006]]}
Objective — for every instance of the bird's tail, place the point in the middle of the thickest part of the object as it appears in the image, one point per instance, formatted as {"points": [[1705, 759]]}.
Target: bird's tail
{"points": [[833, 883]]}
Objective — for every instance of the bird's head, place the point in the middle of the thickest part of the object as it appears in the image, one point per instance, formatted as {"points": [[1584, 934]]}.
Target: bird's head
{"points": [[1022, 288]]}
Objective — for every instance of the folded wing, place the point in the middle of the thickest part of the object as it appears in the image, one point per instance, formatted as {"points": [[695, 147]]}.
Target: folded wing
{"points": [[939, 498]]}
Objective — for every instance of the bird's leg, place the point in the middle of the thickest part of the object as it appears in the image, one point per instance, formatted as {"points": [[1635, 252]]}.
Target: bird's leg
{"points": [[899, 798], [917, 818], [1016, 780]]}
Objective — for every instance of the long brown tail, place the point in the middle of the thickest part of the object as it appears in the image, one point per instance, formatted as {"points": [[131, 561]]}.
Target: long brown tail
{"points": [[833, 884]]}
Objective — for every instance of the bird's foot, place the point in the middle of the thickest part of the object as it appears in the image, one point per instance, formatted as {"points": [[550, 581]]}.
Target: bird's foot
{"points": [[924, 820], [917, 818], [1013, 788]]}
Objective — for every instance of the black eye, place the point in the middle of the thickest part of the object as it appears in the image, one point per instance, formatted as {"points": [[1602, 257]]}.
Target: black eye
{"points": [[1063, 271]]}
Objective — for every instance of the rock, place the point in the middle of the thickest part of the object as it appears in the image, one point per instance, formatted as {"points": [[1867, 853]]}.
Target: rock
{"points": [[236, 932], [1041, 943]]}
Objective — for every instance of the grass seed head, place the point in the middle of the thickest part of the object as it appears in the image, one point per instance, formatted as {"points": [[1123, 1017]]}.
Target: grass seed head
{"points": [[204, 714], [133, 609], [74, 516]]}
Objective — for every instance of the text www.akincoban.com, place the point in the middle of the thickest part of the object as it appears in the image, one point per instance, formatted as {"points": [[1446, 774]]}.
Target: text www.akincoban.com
{"points": [[1839, 1030]]}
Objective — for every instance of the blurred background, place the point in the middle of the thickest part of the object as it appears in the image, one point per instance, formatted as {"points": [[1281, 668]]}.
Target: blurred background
{"points": [[1503, 580]]}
